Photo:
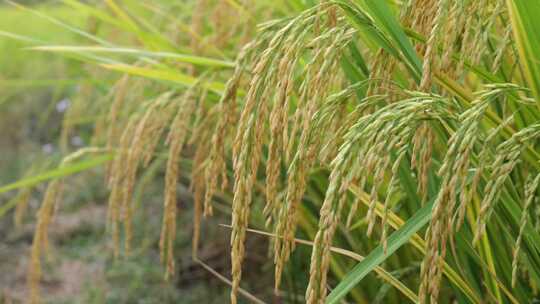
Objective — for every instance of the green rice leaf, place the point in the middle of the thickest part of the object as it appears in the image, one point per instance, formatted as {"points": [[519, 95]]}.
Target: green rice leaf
{"points": [[59, 172], [197, 60], [163, 74], [377, 256], [386, 21], [526, 29]]}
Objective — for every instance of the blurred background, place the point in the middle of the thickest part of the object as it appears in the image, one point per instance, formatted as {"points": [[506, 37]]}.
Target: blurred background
{"points": [[38, 91]]}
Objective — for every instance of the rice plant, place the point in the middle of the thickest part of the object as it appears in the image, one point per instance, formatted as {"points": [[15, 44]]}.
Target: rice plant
{"points": [[413, 122]]}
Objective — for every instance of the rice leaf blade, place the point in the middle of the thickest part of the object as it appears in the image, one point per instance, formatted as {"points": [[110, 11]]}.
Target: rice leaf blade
{"points": [[526, 29], [59, 172], [377, 256]]}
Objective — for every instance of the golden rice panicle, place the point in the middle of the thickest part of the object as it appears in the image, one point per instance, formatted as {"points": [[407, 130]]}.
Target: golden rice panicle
{"points": [[168, 230], [278, 122], [23, 199], [227, 21], [379, 141], [176, 140], [329, 217], [101, 124], [245, 164], [40, 242], [120, 102], [310, 83], [159, 122], [247, 148], [530, 194], [119, 92], [358, 117], [216, 167], [380, 165], [321, 70], [381, 75], [334, 199], [456, 159], [450, 27], [142, 138], [115, 183], [134, 155], [418, 15], [483, 162], [201, 137], [248, 141], [393, 137], [421, 15], [197, 187], [245, 174]]}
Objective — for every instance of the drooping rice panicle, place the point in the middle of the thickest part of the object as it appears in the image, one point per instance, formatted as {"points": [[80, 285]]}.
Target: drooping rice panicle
{"points": [[40, 242], [216, 167], [398, 122], [453, 171], [286, 213], [506, 158], [176, 139], [248, 142], [115, 183], [45, 214], [142, 135], [501, 49], [530, 194], [201, 138]]}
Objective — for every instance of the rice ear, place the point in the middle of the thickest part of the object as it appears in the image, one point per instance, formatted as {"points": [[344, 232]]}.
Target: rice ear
{"points": [[530, 191], [40, 243], [176, 140]]}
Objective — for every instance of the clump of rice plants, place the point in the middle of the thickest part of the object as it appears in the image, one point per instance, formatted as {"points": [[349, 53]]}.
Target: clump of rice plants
{"points": [[371, 116]]}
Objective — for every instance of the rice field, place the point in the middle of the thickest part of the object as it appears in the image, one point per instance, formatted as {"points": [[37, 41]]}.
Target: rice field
{"points": [[347, 151]]}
